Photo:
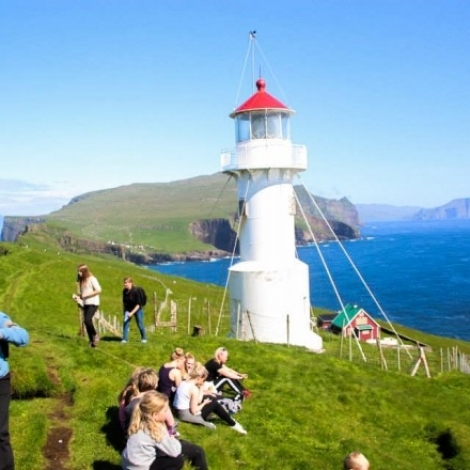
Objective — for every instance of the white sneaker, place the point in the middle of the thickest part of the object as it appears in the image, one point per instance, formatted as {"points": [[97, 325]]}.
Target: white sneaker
{"points": [[239, 428], [123, 341], [210, 425], [143, 340]]}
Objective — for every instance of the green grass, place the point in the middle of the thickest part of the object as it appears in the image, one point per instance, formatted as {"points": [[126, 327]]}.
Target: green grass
{"points": [[308, 410]]}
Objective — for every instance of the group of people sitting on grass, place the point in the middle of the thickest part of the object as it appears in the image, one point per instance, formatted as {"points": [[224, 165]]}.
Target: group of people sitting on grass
{"points": [[184, 387]]}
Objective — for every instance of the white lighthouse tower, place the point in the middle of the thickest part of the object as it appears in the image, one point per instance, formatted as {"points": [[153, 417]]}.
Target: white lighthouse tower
{"points": [[269, 286]]}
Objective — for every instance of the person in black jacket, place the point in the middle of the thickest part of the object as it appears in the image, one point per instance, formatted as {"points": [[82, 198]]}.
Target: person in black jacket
{"points": [[133, 302]]}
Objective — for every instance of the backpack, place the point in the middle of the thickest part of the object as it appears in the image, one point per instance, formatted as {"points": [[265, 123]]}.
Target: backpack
{"points": [[231, 405], [142, 296]]}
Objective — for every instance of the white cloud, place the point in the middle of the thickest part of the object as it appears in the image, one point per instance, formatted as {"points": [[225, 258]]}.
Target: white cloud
{"points": [[23, 198]]}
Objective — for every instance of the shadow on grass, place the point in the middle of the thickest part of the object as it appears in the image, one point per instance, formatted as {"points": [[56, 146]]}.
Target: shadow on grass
{"points": [[103, 465], [113, 431], [110, 339]]}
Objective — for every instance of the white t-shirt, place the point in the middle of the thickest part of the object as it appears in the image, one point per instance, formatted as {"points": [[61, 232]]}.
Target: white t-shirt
{"points": [[182, 400], [90, 285]]}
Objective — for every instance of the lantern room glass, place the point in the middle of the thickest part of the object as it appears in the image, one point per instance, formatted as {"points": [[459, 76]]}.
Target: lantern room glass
{"points": [[262, 125]]}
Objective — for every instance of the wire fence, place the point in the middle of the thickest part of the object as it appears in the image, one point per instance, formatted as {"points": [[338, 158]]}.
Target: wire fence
{"points": [[412, 359]]}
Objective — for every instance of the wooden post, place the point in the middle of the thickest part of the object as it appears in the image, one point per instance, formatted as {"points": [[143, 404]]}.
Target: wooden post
{"points": [[350, 347], [238, 320], [383, 361], [81, 323], [399, 356], [251, 326], [421, 360], [155, 309], [288, 328], [173, 316], [189, 314], [209, 317], [244, 326], [341, 345]]}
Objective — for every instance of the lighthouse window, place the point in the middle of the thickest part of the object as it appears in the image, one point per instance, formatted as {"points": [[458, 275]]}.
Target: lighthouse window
{"points": [[242, 128], [258, 126], [285, 126], [274, 129]]}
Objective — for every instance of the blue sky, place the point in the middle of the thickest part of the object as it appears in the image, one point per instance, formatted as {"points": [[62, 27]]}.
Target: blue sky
{"points": [[96, 94]]}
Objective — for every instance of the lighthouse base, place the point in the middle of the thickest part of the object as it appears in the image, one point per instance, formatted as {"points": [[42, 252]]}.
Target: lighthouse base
{"points": [[271, 304]]}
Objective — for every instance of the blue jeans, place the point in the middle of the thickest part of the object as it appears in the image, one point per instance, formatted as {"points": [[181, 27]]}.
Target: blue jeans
{"points": [[139, 318]]}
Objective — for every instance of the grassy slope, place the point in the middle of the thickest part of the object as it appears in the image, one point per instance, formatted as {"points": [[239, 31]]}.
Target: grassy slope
{"points": [[307, 412], [155, 215]]}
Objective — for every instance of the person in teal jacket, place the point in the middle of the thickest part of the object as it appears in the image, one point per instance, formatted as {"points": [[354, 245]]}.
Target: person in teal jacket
{"points": [[9, 333]]}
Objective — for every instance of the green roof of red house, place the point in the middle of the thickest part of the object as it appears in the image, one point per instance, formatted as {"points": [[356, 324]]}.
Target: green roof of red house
{"points": [[344, 317]]}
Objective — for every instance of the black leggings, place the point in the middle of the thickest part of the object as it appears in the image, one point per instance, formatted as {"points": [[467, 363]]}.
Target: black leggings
{"points": [[234, 384], [215, 407], [88, 313], [189, 451], [6, 453]]}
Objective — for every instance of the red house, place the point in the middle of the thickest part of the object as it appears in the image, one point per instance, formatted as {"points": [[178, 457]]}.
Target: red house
{"points": [[354, 318]]}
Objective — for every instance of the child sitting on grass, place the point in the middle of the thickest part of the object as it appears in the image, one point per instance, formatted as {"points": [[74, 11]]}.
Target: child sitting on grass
{"points": [[150, 446]]}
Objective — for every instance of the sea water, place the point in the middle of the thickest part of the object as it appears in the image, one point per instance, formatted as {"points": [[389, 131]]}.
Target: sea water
{"points": [[413, 273]]}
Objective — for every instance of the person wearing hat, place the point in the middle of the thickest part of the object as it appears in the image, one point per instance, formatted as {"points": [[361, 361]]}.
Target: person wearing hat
{"points": [[9, 333]]}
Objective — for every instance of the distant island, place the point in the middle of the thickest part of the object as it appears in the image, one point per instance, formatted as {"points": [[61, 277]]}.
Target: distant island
{"points": [[455, 209]]}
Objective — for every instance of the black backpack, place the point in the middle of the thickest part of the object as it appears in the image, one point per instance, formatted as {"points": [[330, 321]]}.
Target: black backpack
{"points": [[142, 296]]}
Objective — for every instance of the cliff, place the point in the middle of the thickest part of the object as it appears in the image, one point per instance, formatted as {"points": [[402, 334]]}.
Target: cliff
{"points": [[13, 227], [455, 209]]}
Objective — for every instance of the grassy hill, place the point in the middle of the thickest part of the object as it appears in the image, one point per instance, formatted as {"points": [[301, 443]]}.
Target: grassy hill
{"points": [[156, 218], [154, 215], [308, 410]]}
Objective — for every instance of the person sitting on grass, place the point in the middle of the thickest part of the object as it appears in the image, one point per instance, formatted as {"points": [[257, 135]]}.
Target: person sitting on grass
{"points": [[193, 406], [222, 375], [355, 461], [170, 374], [189, 365], [129, 392], [149, 445], [147, 380]]}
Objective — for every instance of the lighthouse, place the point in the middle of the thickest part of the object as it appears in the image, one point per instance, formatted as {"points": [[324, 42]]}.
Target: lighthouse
{"points": [[269, 286]]}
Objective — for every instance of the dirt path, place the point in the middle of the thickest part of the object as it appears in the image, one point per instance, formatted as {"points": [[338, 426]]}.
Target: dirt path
{"points": [[56, 449]]}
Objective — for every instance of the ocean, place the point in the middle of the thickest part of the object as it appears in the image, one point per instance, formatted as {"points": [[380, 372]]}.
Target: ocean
{"points": [[413, 273]]}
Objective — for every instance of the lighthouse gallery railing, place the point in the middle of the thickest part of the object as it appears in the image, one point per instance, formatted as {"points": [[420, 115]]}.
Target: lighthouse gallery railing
{"points": [[265, 154]]}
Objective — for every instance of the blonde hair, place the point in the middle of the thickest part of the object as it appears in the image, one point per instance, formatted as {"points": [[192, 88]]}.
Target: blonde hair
{"points": [[142, 418], [355, 461], [218, 351], [130, 390], [147, 380], [177, 353], [199, 372]]}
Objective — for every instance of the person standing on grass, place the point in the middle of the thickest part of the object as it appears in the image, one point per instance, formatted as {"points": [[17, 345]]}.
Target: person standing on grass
{"points": [[356, 461], [89, 289], [149, 445], [9, 333], [133, 307]]}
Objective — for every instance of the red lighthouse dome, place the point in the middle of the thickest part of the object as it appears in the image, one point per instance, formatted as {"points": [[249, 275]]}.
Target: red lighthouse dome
{"points": [[261, 100]]}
